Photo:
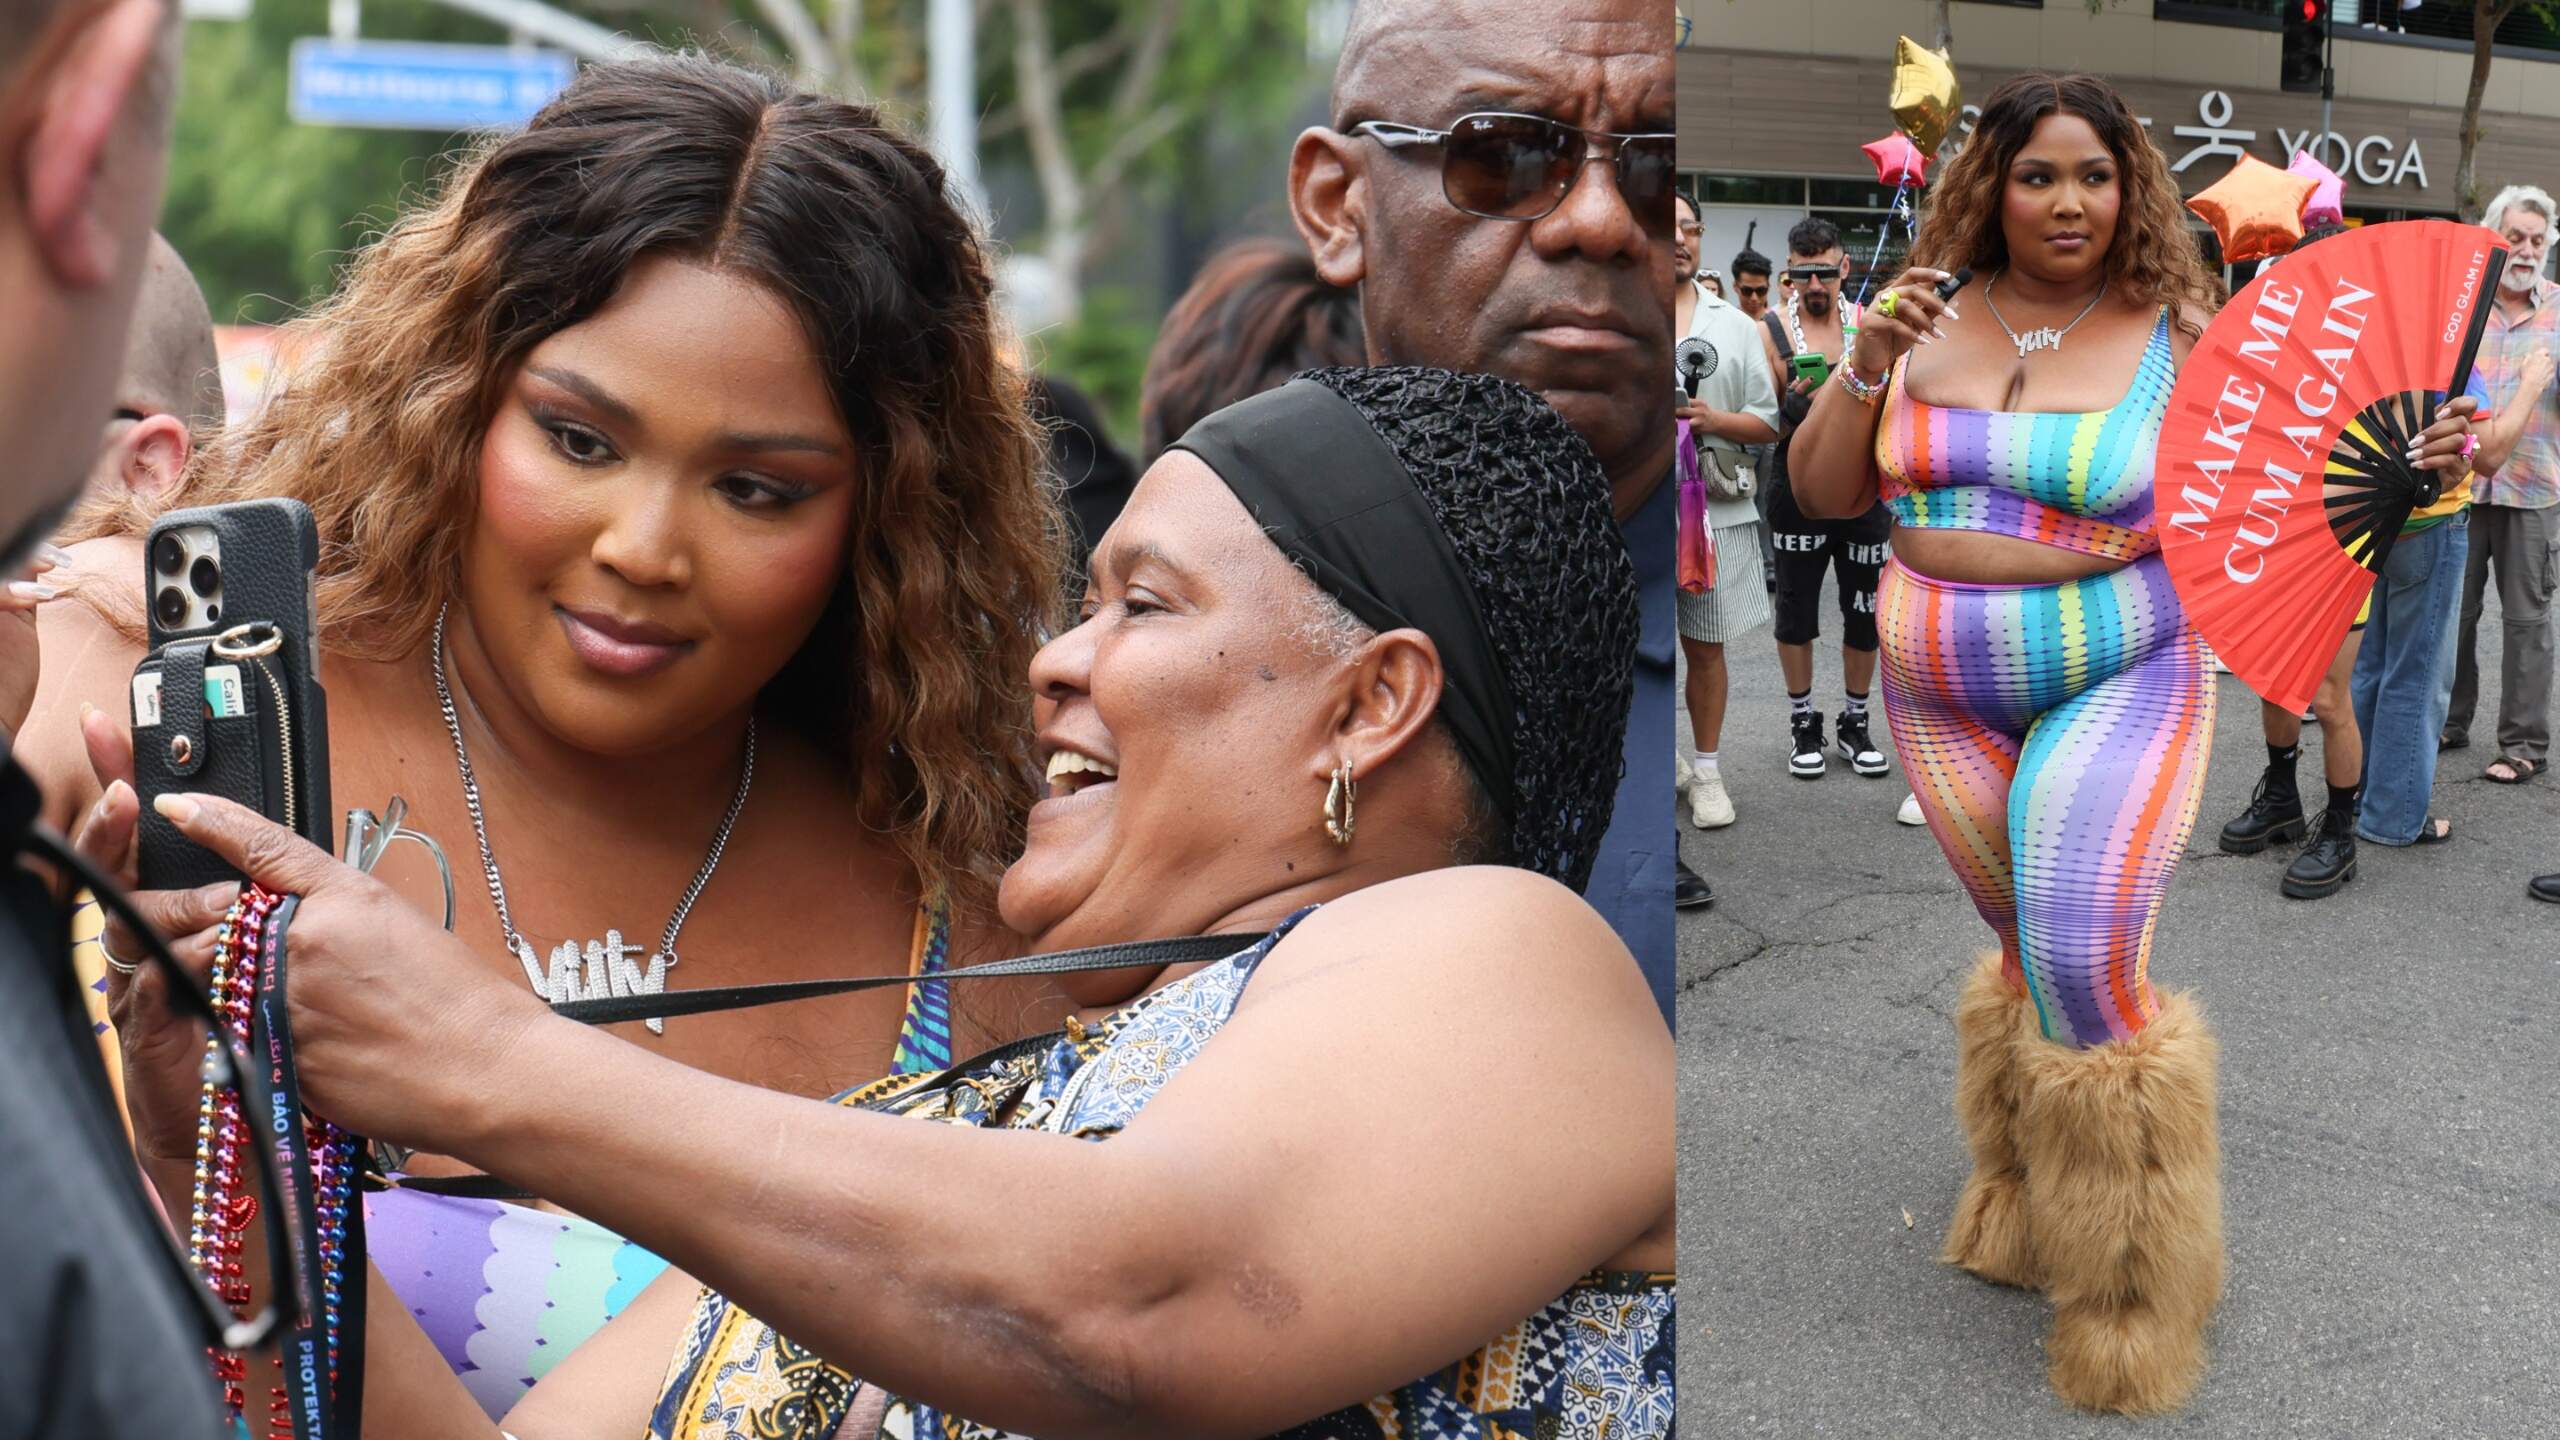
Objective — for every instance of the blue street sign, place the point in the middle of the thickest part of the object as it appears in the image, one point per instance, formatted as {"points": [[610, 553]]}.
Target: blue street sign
{"points": [[413, 85]]}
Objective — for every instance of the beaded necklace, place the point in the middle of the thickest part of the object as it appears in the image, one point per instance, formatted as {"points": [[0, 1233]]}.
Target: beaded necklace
{"points": [[318, 1392]]}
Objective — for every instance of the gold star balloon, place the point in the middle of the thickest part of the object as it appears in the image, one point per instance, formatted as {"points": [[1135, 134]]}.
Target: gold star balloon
{"points": [[2256, 209], [1926, 97]]}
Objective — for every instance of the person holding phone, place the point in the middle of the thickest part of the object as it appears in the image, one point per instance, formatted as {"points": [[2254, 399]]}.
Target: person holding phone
{"points": [[1283, 1189], [682, 551], [1806, 339]]}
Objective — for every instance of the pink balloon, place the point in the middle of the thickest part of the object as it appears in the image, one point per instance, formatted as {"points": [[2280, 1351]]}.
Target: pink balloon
{"points": [[2328, 195], [1898, 161]]}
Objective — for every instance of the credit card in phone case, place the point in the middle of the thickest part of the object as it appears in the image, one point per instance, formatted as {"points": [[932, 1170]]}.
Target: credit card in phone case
{"points": [[222, 696]]}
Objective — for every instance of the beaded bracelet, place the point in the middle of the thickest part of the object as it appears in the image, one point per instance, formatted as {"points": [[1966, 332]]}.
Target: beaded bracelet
{"points": [[1864, 392]]}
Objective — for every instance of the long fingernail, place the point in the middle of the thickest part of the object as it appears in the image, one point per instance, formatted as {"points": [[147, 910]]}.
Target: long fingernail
{"points": [[32, 590], [53, 554], [177, 809]]}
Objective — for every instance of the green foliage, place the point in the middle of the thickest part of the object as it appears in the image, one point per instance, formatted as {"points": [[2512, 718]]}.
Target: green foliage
{"points": [[263, 209], [267, 210], [1104, 351]]}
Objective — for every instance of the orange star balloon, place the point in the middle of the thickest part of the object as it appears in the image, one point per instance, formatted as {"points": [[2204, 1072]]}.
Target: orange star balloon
{"points": [[1926, 97], [2256, 209]]}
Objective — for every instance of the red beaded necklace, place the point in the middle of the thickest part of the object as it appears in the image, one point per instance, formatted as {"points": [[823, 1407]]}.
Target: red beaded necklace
{"points": [[317, 1163]]}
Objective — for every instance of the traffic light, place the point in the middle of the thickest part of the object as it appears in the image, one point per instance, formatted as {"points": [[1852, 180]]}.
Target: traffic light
{"points": [[2306, 36]]}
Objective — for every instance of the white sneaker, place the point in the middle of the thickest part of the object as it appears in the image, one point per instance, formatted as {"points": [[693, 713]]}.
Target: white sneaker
{"points": [[1680, 774], [1709, 807], [1910, 814]]}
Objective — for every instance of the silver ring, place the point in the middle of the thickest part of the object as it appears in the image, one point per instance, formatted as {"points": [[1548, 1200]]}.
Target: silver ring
{"points": [[126, 968]]}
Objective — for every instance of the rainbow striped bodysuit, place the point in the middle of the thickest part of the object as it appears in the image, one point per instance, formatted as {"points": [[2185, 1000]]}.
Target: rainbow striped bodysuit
{"points": [[2055, 734]]}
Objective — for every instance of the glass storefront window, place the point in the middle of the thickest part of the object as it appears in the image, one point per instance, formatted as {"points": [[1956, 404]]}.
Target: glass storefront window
{"points": [[1747, 190]]}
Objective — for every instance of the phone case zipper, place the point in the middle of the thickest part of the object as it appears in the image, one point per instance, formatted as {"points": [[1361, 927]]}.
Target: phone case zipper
{"points": [[284, 732]]}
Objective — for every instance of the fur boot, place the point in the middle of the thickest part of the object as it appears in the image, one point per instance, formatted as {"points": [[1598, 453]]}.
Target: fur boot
{"points": [[2124, 1202], [1989, 1233]]}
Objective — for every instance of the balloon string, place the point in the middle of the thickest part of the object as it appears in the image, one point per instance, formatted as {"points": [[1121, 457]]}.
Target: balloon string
{"points": [[1884, 232]]}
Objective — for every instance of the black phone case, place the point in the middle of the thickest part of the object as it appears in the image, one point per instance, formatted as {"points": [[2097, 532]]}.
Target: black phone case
{"points": [[278, 765]]}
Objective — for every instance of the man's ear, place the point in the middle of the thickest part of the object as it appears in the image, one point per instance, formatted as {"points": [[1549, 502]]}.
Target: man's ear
{"points": [[1328, 198], [94, 81], [155, 455]]}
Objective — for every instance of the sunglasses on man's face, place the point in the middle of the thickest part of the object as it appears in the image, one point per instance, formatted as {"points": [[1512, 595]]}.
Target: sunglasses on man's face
{"points": [[1760, 289], [1520, 167], [1803, 274]]}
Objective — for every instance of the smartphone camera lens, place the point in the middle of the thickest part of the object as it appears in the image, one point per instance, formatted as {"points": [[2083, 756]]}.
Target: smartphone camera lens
{"points": [[171, 607], [205, 576], [167, 555]]}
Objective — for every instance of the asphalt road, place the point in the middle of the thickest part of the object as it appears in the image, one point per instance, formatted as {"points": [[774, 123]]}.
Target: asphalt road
{"points": [[2390, 1113]]}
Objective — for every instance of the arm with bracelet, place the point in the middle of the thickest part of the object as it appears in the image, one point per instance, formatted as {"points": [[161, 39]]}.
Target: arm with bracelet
{"points": [[1831, 462]]}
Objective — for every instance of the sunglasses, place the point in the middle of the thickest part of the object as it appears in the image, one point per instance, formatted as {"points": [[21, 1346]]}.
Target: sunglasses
{"points": [[1760, 289], [1520, 167], [1811, 272]]}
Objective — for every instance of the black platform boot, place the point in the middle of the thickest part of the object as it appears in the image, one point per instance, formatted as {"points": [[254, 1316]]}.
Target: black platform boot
{"points": [[2274, 816], [2329, 861]]}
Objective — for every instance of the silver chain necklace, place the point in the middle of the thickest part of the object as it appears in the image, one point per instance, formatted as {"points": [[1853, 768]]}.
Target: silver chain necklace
{"points": [[607, 968], [2046, 338]]}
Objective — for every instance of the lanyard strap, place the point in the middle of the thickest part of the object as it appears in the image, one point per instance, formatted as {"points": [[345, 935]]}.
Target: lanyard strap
{"points": [[1184, 950], [323, 1371]]}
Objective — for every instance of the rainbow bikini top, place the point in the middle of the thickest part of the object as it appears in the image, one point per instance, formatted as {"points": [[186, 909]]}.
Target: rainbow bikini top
{"points": [[2078, 482]]}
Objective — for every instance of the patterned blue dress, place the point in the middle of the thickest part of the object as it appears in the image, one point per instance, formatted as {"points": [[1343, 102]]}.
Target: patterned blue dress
{"points": [[1593, 1364]]}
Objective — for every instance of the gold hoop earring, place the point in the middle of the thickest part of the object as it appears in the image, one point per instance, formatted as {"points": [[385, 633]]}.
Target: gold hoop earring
{"points": [[1337, 804]]}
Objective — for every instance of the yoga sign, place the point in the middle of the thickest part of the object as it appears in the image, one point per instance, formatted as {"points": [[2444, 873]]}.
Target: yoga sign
{"points": [[2282, 476]]}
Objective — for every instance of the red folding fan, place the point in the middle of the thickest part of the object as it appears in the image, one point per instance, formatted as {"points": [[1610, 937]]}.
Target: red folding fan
{"points": [[2281, 479]]}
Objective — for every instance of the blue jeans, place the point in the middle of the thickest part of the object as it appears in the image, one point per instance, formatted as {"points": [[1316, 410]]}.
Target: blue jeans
{"points": [[2401, 684]]}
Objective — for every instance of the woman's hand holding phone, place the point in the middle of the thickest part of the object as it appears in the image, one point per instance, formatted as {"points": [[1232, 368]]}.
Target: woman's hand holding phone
{"points": [[163, 1049], [1916, 312]]}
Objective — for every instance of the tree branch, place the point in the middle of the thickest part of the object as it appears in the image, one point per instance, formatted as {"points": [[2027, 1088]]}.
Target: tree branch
{"points": [[811, 59], [1043, 116], [1146, 66], [844, 42], [1133, 142]]}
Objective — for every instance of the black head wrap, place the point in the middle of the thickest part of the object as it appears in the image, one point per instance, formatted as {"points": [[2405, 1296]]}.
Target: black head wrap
{"points": [[1465, 507]]}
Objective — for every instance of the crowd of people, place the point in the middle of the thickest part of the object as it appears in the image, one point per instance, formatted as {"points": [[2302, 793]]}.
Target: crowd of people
{"points": [[675, 480]]}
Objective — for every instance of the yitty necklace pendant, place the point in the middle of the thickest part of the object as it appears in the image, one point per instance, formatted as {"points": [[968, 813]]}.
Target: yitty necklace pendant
{"points": [[605, 969], [2032, 341]]}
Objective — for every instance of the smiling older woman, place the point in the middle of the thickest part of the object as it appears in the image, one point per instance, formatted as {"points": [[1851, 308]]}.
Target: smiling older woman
{"points": [[1349, 687]]}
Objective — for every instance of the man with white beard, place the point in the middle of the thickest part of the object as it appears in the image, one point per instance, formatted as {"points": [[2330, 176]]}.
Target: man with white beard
{"points": [[2515, 514]]}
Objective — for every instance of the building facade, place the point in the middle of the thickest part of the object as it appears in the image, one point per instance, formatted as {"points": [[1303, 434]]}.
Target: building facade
{"points": [[1776, 96]]}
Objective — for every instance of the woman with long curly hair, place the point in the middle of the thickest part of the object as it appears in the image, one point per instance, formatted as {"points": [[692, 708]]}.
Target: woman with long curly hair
{"points": [[2053, 705], [683, 542]]}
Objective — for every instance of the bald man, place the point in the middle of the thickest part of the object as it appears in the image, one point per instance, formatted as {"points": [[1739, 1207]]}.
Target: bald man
{"points": [[99, 1335], [1565, 288], [171, 391]]}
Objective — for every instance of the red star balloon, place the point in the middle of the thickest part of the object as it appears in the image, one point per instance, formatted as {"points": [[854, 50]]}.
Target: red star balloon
{"points": [[2256, 209], [1898, 161]]}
